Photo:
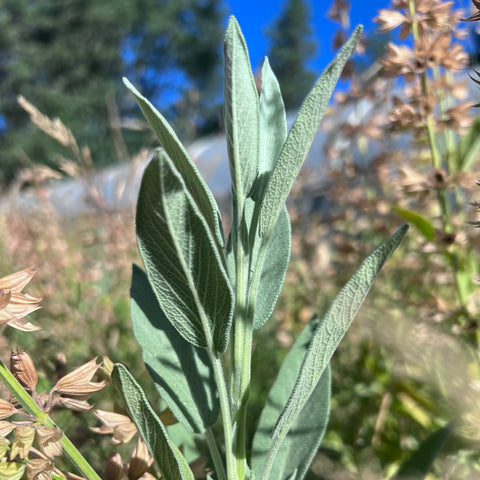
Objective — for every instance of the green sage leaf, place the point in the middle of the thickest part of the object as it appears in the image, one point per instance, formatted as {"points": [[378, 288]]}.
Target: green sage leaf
{"points": [[301, 136], [241, 112], [273, 123], [303, 439], [273, 269], [417, 466], [272, 263], [197, 188], [168, 457], [182, 373], [183, 265], [331, 330]]}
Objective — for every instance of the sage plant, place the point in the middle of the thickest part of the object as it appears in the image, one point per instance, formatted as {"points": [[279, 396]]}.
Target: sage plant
{"points": [[195, 308]]}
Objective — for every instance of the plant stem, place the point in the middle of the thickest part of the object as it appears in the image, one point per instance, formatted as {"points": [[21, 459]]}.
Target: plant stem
{"points": [[437, 164], [216, 456], [226, 414], [33, 409], [242, 340]]}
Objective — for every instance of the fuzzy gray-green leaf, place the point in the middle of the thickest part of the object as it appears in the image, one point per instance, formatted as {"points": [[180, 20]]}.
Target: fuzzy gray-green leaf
{"points": [[182, 373], [301, 136], [183, 265], [188, 170], [273, 120], [241, 112], [331, 330], [274, 268], [302, 441], [168, 457]]}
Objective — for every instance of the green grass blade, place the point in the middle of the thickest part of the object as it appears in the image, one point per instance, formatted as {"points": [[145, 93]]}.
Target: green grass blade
{"points": [[183, 265], [330, 332], [241, 112], [303, 439], [301, 136], [197, 188], [168, 457], [183, 374], [423, 225], [417, 466]]}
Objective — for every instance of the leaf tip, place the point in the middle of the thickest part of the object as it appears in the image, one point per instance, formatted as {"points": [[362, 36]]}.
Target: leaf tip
{"points": [[404, 229], [358, 29], [232, 22]]}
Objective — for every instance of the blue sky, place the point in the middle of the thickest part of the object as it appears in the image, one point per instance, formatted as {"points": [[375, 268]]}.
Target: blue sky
{"points": [[255, 15]]}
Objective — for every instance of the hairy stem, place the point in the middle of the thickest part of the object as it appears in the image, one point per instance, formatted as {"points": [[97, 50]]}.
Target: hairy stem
{"points": [[226, 414], [216, 456], [242, 340]]}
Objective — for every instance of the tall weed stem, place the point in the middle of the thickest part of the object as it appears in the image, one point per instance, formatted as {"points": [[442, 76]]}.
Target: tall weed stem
{"points": [[437, 164], [27, 402]]}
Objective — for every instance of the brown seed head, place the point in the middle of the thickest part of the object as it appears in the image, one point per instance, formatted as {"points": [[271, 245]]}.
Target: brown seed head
{"points": [[6, 409], [49, 440], [23, 369], [339, 11], [73, 404], [476, 14], [458, 118], [403, 116], [16, 282], [11, 470], [15, 305], [397, 61], [6, 428], [22, 442], [120, 426], [39, 469], [78, 382], [391, 19], [141, 460], [114, 469]]}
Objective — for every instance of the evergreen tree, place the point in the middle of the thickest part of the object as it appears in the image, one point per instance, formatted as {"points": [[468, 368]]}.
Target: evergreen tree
{"points": [[68, 58], [291, 47]]}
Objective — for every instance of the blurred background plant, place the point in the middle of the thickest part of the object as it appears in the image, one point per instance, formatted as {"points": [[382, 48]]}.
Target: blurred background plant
{"points": [[401, 143]]}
